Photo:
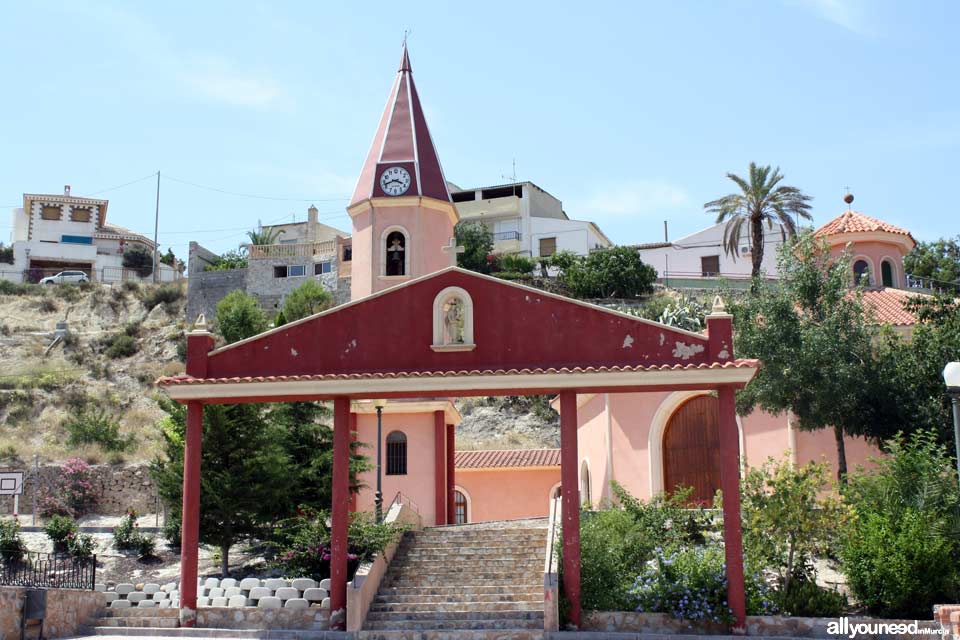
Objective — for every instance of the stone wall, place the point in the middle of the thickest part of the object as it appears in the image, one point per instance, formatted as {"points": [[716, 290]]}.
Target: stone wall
{"points": [[271, 291], [117, 488], [67, 611], [314, 618], [206, 288], [765, 626]]}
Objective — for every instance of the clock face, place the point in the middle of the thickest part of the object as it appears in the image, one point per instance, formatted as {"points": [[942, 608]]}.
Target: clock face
{"points": [[395, 181]]}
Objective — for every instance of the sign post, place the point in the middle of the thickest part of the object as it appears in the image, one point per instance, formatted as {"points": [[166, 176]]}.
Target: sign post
{"points": [[11, 484]]}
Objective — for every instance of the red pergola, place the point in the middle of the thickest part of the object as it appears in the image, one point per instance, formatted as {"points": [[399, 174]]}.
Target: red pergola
{"points": [[522, 341]]}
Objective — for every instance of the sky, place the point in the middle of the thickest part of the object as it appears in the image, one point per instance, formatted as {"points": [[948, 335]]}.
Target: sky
{"points": [[631, 113]]}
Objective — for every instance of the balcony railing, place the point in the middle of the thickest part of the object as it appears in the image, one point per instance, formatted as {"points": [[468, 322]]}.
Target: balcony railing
{"points": [[506, 235], [292, 250]]}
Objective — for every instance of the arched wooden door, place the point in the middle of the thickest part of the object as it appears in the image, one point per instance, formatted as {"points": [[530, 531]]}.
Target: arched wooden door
{"points": [[691, 449]]}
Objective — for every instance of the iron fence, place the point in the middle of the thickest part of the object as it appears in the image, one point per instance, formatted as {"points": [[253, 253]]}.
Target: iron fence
{"points": [[49, 570]]}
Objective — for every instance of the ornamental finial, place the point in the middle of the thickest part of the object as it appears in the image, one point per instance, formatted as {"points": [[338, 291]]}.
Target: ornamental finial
{"points": [[718, 305], [200, 326]]}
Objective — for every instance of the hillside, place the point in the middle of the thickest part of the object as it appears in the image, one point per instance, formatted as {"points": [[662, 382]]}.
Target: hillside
{"points": [[120, 339]]}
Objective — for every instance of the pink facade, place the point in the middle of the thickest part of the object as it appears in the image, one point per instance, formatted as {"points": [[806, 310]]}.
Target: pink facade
{"points": [[507, 494], [875, 253]]}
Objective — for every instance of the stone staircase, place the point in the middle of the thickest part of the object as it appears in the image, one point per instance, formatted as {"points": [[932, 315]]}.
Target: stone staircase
{"points": [[465, 581]]}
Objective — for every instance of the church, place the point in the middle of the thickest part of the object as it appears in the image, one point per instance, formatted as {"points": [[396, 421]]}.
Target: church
{"points": [[647, 405]]}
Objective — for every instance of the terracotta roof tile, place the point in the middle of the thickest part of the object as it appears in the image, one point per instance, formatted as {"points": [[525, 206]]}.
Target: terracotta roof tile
{"points": [[856, 222], [887, 306], [510, 458], [733, 364]]}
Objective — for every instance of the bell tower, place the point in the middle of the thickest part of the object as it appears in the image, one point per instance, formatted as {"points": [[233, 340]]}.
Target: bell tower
{"points": [[401, 210]]}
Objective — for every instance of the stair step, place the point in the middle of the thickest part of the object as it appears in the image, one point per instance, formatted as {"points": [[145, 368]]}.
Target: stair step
{"points": [[424, 599], [453, 625], [454, 634], [443, 607], [116, 622], [461, 615], [454, 590], [142, 613], [261, 634]]}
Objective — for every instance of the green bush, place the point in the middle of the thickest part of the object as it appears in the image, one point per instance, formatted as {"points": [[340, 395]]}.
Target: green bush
{"points": [[304, 542], [121, 346], [613, 549], [306, 300], [617, 272], [9, 288], [46, 305], [96, 426], [512, 263], [81, 546], [788, 519], [127, 536], [130, 286], [140, 259], [164, 294], [12, 547], [899, 551], [60, 529], [70, 493], [690, 583], [67, 292], [229, 260], [807, 598], [239, 316]]}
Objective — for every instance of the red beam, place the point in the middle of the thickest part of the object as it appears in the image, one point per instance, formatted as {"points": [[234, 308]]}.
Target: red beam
{"points": [[190, 523], [439, 467], [340, 513], [446, 393], [730, 484], [570, 504], [353, 438], [451, 452]]}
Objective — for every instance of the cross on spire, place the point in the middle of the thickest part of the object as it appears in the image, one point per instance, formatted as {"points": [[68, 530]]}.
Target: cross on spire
{"points": [[453, 249]]}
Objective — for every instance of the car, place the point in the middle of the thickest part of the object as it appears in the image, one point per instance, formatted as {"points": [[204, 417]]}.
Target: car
{"points": [[66, 277]]}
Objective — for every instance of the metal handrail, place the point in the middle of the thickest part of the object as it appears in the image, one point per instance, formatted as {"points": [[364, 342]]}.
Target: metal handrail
{"points": [[49, 570], [554, 518], [506, 235], [401, 498]]}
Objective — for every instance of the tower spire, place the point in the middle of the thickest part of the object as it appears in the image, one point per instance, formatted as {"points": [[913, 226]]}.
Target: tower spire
{"points": [[403, 144]]}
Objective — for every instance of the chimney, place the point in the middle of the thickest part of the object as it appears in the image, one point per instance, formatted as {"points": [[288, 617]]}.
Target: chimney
{"points": [[66, 189], [312, 223]]}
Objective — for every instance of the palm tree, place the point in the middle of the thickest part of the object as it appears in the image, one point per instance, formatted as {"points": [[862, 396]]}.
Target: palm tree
{"points": [[761, 199], [264, 236]]}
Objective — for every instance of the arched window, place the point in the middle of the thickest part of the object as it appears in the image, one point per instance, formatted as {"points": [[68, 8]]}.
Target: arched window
{"points": [[886, 273], [396, 250], [396, 454], [453, 320], [861, 267], [460, 508], [585, 485]]}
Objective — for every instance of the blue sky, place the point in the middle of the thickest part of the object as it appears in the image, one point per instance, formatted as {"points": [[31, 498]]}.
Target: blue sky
{"points": [[631, 113]]}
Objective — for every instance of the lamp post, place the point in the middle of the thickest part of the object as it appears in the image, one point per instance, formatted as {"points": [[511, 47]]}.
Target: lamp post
{"points": [[378, 496], [951, 375]]}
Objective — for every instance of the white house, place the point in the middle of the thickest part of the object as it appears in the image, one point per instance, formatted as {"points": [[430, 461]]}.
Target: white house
{"points": [[53, 233], [702, 255], [526, 220]]}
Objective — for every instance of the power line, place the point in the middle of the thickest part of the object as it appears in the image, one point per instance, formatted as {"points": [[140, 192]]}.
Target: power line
{"points": [[251, 195], [125, 184]]}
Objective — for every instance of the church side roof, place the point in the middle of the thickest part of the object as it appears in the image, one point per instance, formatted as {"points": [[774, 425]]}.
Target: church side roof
{"points": [[403, 138], [855, 222], [508, 458], [887, 306]]}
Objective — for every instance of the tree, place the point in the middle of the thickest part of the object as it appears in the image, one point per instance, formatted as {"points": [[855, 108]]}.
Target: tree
{"points": [[908, 384], [243, 472], [759, 201], [264, 236], [239, 316], [617, 272], [811, 334], [138, 258], [168, 258], [306, 300], [938, 260], [477, 241], [232, 259], [280, 320]]}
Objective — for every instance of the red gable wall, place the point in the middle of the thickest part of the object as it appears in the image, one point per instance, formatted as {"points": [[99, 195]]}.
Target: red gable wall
{"points": [[514, 328]]}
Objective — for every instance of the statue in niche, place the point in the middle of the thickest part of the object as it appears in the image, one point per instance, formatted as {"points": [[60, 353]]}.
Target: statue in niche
{"points": [[453, 321]]}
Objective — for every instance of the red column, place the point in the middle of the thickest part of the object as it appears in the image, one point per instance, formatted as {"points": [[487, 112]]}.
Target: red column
{"points": [[353, 438], [340, 513], [190, 523], [440, 467], [451, 452], [570, 503], [730, 484]]}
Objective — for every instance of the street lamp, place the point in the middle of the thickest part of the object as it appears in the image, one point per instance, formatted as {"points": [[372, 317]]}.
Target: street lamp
{"points": [[378, 496], [951, 375]]}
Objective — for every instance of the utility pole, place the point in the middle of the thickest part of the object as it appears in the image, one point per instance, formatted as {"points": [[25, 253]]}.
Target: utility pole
{"points": [[156, 227]]}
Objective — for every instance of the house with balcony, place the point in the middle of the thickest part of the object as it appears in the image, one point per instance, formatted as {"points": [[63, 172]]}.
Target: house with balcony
{"points": [[527, 220], [300, 251], [60, 232]]}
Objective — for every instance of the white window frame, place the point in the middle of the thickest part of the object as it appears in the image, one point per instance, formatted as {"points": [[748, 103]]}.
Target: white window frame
{"points": [[406, 251], [441, 299]]}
